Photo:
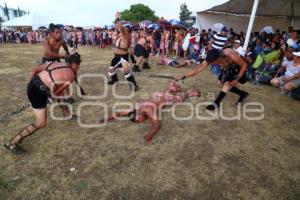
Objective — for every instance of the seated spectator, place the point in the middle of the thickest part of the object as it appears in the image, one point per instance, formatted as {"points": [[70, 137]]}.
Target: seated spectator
{"points": [[291, 78], [238, 48], [250, 59], [258, 49], [194, 56], [293, 39]]}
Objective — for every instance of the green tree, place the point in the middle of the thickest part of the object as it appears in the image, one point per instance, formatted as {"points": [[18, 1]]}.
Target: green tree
{"points": [[138, 13], [185, 15]]}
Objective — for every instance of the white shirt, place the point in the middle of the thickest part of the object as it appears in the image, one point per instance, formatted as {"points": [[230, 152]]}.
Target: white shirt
{"points": [[290, 42], [240, 51], [286, 62], [186, 41], [291, 70], [198, 36]]}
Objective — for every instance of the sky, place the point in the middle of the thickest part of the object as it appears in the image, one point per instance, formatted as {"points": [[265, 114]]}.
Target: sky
{"points": [[101, 12]]}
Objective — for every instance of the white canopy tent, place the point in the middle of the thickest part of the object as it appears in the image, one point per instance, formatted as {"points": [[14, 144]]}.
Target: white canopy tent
{"points": [[278, 14], [31, 20], [237, 14]]}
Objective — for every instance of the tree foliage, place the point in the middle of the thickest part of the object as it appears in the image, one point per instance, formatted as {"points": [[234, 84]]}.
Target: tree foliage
{"points": [[138, 13], [185, 15]]}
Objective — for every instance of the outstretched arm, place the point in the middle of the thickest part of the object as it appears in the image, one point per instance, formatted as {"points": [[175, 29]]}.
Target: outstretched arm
{"points": [[155, 128], [197, 70], [181, 65], [119, 24]]}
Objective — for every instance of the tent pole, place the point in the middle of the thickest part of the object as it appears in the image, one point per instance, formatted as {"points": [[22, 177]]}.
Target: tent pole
{"points": [[292, 18], [251, 22]]}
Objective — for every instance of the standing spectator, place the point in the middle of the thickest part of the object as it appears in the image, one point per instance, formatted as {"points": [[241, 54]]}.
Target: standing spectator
{"points": [[220, 40], [167, 34], [157, 39], [186, 44]]}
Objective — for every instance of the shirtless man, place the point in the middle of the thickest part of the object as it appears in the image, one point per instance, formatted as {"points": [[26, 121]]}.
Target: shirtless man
{"points": [[167, 41], [233, 70], [121, 46], [141, 52], [46, 80], [178, 42], [149, 109], [162, 44], [134, 39], [52, 45]]}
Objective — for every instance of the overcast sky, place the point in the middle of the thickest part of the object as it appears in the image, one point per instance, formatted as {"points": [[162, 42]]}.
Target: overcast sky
{"points": [[101, 12]]}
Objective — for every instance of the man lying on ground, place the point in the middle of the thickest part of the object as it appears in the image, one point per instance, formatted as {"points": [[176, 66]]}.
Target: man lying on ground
{"points": [[171, 62], [149, 109], [46, 80]]}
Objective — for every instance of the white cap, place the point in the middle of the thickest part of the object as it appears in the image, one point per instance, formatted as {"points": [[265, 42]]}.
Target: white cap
{"points": [[237, 41], [296, 53], [217, 27]]}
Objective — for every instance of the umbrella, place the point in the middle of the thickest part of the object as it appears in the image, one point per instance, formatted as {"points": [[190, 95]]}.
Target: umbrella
{"points": [[69, 28], [42, 28], [135, 27], [112, 26], [60, 26], [163, 23], [146, 23], [179, 26], [153, 26], [174, 22], [185, 24], [79, 28], [127, 25], [267, 29]]}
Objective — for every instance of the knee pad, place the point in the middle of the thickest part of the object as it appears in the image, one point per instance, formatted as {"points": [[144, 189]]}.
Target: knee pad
{"points": [[111, 73], [123, 61], [129, 74]]}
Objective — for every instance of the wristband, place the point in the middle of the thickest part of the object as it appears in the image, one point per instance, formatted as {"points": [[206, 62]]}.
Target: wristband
{"points": [[238, 78]]}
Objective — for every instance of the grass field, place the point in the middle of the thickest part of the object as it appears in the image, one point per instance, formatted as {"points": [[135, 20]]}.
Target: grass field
{"points": [[195, 159]]}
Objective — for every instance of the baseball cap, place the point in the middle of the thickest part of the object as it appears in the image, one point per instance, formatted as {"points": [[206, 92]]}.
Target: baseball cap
{"points": [[224, 29], [296, 54]]}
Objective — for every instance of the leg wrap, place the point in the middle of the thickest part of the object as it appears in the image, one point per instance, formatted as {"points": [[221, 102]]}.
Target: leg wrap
{"points": [[24, 133]]}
